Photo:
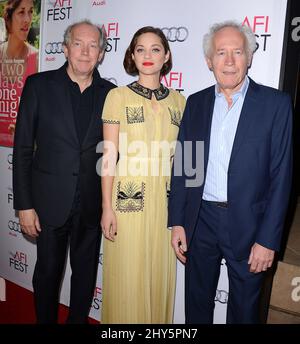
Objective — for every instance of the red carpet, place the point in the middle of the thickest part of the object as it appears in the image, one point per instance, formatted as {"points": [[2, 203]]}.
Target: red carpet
{"points": [[19, 309]]}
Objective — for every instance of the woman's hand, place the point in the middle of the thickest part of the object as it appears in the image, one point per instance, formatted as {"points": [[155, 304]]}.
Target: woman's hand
{"points": [[109, 224]]}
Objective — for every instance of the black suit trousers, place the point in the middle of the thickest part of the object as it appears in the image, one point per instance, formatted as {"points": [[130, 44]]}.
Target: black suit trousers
{"points": [[52, 248]]}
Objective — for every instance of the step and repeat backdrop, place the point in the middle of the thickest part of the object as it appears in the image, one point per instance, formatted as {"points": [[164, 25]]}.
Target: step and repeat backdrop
{"points": [[184, 24]]}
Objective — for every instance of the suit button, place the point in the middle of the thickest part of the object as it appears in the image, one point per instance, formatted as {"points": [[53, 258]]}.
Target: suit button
{"points": [[75, 174]]}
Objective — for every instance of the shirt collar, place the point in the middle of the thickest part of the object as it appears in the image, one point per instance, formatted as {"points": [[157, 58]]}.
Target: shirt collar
{"points": [[160, 93], [96, 78], [241, 92]]}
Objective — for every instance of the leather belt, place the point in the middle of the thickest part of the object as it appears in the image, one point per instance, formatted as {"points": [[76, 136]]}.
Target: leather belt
{"points": [[218, 204]]}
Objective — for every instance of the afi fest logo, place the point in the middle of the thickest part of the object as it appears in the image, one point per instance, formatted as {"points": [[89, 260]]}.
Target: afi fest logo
{"points": [[176, 34], [97, 299], [10, 196], [173, 80], [260, 25], [18, 261], [60, 10], [112, 36]]}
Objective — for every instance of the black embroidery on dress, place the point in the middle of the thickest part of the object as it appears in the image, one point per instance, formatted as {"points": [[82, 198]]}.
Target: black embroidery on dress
{"points": [[175, 116], [130, 197], [135, 114], [110, 121], [160, 93]]}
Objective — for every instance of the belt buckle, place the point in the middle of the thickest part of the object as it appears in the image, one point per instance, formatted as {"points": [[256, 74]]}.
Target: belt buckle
{"points": [[222, 204]]}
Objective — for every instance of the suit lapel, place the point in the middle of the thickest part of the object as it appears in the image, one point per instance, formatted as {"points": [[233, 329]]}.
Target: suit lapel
{"points": [[66, 104], [92, 118], [97, 97], [247, 116], [209, 109]]}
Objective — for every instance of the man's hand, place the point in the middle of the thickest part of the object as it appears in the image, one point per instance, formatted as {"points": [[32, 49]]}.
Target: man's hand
{"points": [[261, 258], [29, 222], [178, 242]]}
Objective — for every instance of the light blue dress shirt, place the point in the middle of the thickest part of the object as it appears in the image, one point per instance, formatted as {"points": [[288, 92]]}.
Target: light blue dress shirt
{"points": [[223, 129]]}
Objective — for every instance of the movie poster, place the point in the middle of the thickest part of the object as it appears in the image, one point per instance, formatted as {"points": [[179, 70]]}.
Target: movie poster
{"points": [[19, 52]]}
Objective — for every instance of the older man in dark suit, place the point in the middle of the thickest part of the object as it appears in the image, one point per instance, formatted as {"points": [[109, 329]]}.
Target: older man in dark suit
{"points": [[56, 187], [238, 212]]}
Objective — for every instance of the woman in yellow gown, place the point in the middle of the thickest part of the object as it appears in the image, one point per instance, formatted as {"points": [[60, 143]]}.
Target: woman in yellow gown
{"points": [[140, 122]]}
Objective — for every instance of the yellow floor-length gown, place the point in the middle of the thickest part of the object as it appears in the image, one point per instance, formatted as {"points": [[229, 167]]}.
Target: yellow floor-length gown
{"points": [[139, 268]]}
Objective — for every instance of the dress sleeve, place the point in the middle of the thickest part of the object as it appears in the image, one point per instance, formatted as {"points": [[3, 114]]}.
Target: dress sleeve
{"points": [[112, 107]]}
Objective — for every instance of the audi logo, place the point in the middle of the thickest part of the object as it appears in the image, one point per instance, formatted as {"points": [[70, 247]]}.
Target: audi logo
{"points": [[9, 158], [101, 258], [176, 34], [221, 296], [14, 226], [54, 48]]}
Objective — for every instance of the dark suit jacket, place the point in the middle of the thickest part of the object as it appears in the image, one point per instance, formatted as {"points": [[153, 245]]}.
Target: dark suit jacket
{"points": [[259, 172], [48, 160]]}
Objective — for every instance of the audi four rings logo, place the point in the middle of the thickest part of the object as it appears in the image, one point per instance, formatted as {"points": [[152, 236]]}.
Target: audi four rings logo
{"points": [[176, 34], [10, 158], [221, 296], [54, 48], [14, 226]]}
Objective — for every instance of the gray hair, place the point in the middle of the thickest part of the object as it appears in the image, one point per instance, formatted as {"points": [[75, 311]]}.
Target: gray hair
{"points": [[243, 29], [70, 28]]}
